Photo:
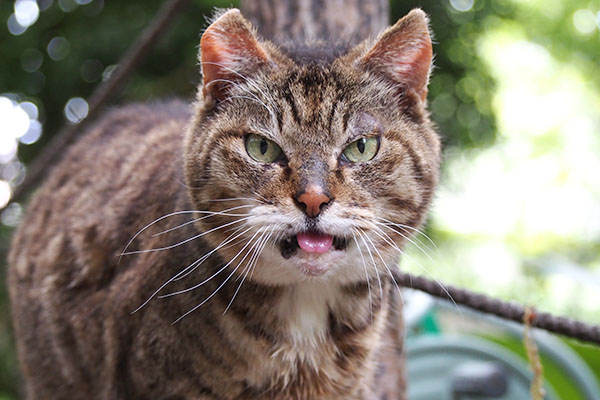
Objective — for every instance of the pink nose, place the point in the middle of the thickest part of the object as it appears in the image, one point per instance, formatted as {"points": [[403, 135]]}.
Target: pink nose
{"points": [[313, 199]]}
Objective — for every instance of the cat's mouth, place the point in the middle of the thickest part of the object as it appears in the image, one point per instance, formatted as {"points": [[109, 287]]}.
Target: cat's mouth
{"points": [[311, 242]]}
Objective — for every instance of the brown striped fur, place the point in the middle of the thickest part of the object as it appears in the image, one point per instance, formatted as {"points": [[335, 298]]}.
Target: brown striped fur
{"points": [[286, 334]]}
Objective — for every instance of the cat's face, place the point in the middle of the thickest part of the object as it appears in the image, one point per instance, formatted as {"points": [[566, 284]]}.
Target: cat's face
{"points": [[320, 170]]}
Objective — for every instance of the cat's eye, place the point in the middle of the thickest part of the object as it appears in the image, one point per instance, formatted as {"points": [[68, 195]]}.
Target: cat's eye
{"points": [[262, 149], [361, 150]]}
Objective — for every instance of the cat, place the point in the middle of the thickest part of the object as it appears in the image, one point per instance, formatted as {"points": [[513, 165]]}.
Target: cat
{"points": [[240, 247]]}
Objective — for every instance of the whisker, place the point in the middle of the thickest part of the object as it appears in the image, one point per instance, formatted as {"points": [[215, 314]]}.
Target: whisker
{"points": [[421, 265], [406, 227], [366, 273], [211, 214], [152, 223], [258, 198], [189, 268], [253, 260], [276, 226], [389, 240], [361, 234], [216, 290], [384, 263], [227, 243], [188, 239], [216, 273], [408, 239]]}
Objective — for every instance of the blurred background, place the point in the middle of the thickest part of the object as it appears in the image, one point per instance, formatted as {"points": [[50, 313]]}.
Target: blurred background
{"points": [[515, 93]]}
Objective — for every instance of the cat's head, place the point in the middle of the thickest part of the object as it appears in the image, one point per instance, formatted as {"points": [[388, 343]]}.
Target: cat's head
{"points": [[319, 162]]}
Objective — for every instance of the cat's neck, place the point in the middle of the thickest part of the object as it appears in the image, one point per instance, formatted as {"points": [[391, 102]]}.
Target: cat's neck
{"points": [[326, 331]]}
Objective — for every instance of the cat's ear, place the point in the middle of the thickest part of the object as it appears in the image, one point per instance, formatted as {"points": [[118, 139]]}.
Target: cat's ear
{"points": [[229, 51], [403, 54]]}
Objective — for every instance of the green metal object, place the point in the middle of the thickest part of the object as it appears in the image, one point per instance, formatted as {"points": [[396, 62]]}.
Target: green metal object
{"points": [[436, 362]]}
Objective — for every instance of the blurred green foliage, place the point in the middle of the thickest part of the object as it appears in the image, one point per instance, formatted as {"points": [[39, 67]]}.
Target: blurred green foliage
{"points": [[96, 33]]}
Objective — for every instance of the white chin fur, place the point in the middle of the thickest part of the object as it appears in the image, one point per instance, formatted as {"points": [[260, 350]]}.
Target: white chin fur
{"points": [[336, 266]]}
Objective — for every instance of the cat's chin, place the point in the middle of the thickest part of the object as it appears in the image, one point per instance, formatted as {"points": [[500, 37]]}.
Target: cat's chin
{"points": [[313, 264], [287, 263]]}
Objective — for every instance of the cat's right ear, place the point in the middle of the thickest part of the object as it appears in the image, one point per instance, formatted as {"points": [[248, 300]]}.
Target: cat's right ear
{"points": [[229, 51]]}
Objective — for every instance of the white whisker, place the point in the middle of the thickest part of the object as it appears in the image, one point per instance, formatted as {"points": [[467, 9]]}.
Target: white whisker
{"points": [[217, 289], [152, 223], [418, 263], [211, 214], [366, 273], [216, 273], [417, 231], [181, 274], [361, 234], [408, 239], [384, 263], [188, 239], [250, 265]]}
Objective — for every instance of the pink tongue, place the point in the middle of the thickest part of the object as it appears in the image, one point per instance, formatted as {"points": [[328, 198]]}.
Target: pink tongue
{"points": [[314, 242]]}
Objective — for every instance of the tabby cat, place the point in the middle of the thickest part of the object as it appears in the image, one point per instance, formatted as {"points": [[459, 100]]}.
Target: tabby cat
{"points": [[240, 248]]}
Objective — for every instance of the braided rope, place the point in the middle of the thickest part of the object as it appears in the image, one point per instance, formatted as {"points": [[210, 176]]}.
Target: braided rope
{"points": [[503, 309]]}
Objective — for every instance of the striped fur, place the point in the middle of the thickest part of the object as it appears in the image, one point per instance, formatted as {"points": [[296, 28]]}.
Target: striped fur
{"points": [[266, 330]]}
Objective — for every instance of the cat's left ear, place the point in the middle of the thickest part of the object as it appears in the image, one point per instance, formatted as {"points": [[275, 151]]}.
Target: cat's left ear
{"points": [[229, 51], [403, 54]]}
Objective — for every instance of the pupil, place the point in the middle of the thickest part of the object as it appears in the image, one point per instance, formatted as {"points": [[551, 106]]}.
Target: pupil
{"points": [[361, 145], [264, 146]]}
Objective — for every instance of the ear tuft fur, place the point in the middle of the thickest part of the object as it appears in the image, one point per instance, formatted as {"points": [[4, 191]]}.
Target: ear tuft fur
{"points": [[403, 54], [228, 50]]}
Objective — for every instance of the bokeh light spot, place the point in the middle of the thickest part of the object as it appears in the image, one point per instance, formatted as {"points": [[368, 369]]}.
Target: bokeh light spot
{"points": [[76, 109], [5, 193], [468, 116], [45, 4], [67, 5], [30, 108], [15, 121], [14, 27], [26, 12], [13, 172], [12, 215], [35, 83], [58, 48], [31, 60], [584, 21], [444, 106], [462, 5], [33, 134], [91, 70]]}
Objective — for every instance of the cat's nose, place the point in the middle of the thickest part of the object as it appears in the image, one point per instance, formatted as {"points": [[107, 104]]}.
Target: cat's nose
{"points": [[312, 200]]}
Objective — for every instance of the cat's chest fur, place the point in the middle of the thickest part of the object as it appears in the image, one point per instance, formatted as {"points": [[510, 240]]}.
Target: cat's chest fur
{"points": [[315, 345]]}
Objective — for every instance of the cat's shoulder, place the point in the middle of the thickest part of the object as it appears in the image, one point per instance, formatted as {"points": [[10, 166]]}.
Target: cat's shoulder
{"points": [[124, 167]]}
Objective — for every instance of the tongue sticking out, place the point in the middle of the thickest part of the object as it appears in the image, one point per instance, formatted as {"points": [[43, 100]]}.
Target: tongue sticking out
{"points": [[313, 242]]}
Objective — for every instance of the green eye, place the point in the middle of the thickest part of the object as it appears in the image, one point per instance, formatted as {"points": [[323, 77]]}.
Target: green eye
{"points": [[364, 149], [262, 149]]}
